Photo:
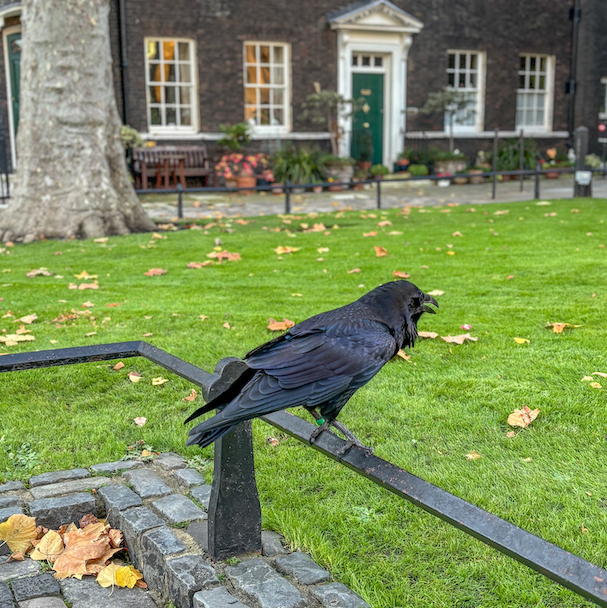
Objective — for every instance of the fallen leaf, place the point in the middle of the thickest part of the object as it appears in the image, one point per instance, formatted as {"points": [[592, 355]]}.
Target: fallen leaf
{"points": [[372, 233], [354, 271], [88, 519], [523, 417], [45, 272], [85, 275], [146, 453], [427, 334], [296, 295], [107, 576], [224, 255], [153, 272], [127, 576], [323, 250], [595, 385], [466, 326], [521, 340], [587, 379], [601, 374], [200, 264], [203, 317], [116, 538], [380, 252], [400, 274], [436, 292], [140, 420], [134, 377], [510, 434], [558, 328], [193, 394], [226, 325], [242, 222], [16, 557], [119, 365], [88, 286], [272, 441], [459, 339], [473, 456], [403, 355], [113, 304], [103, 239], [146, 335], [450, 252], [282, 250], [49, 548], [158, 381], [22, 330], [10, 339], [457, 233], [88, 304], [91, 333], [510, 276], [384, 223], [279, 325], [156, 235], [18, 531]]}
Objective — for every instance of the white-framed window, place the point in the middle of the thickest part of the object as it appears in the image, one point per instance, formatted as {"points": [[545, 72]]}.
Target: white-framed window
{"points": [[466, 74], [267, 95], [535, 92], [603, 112], [170, 78]]}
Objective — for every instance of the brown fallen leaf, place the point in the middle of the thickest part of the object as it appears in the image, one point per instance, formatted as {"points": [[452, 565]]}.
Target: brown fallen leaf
{"points": [[113, 304], [226, 325], [459, 339], [272, 441], [224, 255], [87, 519], [200, 264], [88, 304], [16, 557], [400, 274], [601, 374], [510, 434], [427, 334], [119, 365], [523, 417], [403, 355], [153, 272], [279, 325], [354, 271], [558, 328], [18, 531], [27, 319], [380, 252], [88, 286], [203, 317], [372, 233], [193, 394], [45, 272], [457, 233]]}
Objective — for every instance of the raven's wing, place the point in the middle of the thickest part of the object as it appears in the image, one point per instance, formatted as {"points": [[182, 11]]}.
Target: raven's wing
{"points": [[309, 368]]}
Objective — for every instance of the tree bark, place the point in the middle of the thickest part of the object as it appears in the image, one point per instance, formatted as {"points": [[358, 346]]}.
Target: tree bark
{"points": [[72, 179]]}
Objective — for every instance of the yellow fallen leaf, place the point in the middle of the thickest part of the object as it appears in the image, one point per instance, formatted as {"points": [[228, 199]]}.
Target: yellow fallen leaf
{"points": [[473, 456], [510, 434], [146, 453], [193, 394], [523, 417], [85, 275], [521, 340], [595, 385], [427, 334], [226, 325], [103, 239], [403, 355], [18, 531], [450, 252], [127, 576], [27, 319], [49, 548], [134, 377], [7, 338], [158, 381], [436, 292], [107, 576], [282, 250]]}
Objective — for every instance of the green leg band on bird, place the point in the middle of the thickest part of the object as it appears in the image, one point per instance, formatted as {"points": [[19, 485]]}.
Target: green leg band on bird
{"points": [[320, 421]]}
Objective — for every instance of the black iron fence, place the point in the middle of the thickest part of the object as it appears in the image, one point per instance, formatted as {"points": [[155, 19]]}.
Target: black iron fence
{"points": [[6, 168], [234, 513]]}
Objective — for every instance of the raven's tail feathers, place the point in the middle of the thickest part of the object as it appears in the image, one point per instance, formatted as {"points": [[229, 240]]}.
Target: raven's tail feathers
{"points": [[203, 438]]}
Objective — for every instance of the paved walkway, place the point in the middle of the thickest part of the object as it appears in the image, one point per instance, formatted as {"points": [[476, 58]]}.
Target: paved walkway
{"points": [[162, 514], [395, 194]]}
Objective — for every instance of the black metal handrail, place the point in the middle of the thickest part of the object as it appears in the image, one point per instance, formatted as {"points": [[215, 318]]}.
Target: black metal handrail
{"points": [[567, 569]]}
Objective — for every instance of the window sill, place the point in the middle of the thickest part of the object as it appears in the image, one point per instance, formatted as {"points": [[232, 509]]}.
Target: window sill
{"points": [[210, 136], [486, 134]]}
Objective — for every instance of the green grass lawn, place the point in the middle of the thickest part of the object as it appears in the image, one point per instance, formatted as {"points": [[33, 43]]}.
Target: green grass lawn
{"points": [[516, 267]]}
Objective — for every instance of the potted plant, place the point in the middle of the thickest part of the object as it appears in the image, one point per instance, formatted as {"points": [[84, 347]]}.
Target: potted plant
{"points": [[241, 171], [449, 162], [458, 179], [477, 172], [360, 175], [364, 142], [235, 136], [452, 103], [378, 171], [418, 170], [298, 165], [338, 169], [407, 157]]}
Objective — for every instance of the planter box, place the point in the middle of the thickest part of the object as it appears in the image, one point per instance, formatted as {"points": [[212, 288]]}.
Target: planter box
{"points": [[450, 166]]}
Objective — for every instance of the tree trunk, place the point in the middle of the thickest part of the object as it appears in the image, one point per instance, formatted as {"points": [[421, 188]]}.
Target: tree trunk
{"points": [[71, 179]]}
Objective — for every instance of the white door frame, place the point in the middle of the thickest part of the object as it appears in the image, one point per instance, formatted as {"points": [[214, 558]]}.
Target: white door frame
{"points": [[6, 32]]}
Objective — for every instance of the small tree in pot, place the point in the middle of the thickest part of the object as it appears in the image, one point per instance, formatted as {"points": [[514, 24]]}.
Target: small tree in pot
{"points": [[451, 102]]}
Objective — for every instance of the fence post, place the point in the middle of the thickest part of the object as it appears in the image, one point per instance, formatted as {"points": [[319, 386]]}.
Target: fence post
{"points": [[378, 193], [287, 196], [234, 509], [538, 168], [521, 160], [581, 187], [494, 168], [179, 200]]}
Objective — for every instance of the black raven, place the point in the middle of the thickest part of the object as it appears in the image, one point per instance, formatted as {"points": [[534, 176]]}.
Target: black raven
{"points": [[319, 363]]}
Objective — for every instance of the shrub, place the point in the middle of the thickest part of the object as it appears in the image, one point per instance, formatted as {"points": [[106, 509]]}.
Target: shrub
{"points": [[418, 170]]}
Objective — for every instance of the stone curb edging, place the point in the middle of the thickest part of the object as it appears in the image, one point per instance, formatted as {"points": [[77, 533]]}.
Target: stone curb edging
{"points": [[167, 538]]}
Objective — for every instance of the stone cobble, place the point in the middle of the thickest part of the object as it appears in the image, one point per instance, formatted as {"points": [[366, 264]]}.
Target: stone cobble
{"points": [[167, 537]]}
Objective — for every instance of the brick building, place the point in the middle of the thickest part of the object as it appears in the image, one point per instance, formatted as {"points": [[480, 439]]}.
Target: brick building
{"points": [[182, 68]]}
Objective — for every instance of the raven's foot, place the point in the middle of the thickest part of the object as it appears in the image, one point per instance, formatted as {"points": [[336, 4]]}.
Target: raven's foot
{"points": [[351, 439], [317, 431]]}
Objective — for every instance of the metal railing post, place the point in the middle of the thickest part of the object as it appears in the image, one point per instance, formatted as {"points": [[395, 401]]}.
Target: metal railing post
{"points": [[179, 200], [287, 196], [378, 193], [538, 168], [521, 160], [494, 163]]}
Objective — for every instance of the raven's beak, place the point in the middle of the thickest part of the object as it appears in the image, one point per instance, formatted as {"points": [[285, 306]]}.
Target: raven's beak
{"points": [[431, 300]]}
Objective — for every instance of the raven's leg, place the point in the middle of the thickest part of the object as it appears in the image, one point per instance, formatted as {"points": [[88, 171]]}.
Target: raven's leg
{"points": [[324, 426], [351, 438]]}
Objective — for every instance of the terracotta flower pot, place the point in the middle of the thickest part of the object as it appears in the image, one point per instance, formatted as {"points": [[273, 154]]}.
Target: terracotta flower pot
{"points": [[277, 190], [317, 189], [552, 175], [246, 181], [476, 180], [460, 181]]}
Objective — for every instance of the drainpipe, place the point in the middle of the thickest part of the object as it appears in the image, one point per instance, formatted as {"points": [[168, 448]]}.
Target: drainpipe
{"points": [[576, 13], [123, 59]]}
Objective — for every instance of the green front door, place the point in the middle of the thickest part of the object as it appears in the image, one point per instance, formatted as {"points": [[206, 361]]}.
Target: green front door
{"points": [[14, 59], [368, 123]]}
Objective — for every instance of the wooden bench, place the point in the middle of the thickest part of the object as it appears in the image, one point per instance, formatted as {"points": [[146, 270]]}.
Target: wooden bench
{"points": [[178, 161]]}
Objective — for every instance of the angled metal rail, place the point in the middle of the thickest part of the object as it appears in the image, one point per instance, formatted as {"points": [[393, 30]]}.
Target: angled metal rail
{"points": [[567, 569]]}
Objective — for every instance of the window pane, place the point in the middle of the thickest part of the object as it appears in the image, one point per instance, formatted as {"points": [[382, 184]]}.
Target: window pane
{"points": [[154, 95], [278, 74], [521, 81], [354, 59], [462, 79], [169, 95], [251, 74], [532, 64], [264, 96], [184, 95], [543, 64], [250, 113], [250, 53], [278, 97], [155, 75], [153, 51], [451, 79], [366, 60], [264, 116], [264, 54], [451, 61], [278, 117], [186, 116], [155, 116], [473, 62], [184, 72], [473, 80], [532, 81], [249, 96], [523, 63], [168, 49], [184, 51], [278, 54], [462, 61], [542, 82], [264, 75], [378, 62], [171, 116], [169, 72]]}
